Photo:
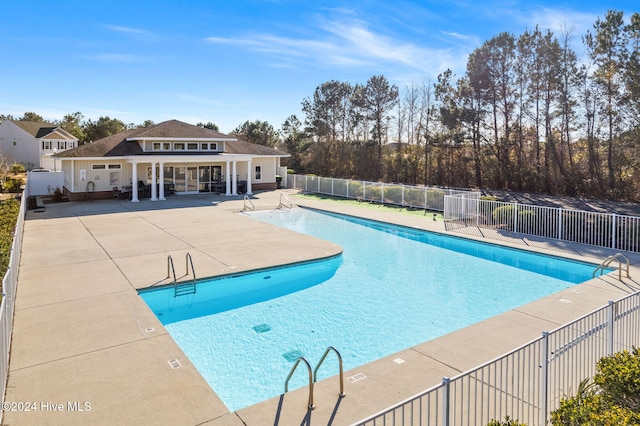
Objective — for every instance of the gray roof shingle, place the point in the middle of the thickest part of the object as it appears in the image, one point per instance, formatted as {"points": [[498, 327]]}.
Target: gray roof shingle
{"points": [[125, 143]]}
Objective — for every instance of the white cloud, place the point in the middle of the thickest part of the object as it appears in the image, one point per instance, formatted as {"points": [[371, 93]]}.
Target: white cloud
{"points": [[132, 32], [115, 58], [345, 44]]}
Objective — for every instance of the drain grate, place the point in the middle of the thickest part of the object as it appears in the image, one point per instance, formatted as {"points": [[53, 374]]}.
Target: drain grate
{"points": [[261, 328], [291, 356], [357, 377], [174, 363]]}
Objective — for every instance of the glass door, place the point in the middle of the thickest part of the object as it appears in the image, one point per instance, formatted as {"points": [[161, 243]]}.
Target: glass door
{"points": [[180, 179], [192, 179]]}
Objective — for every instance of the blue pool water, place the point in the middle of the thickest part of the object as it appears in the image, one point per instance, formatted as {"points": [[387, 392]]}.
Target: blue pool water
{"points": [[392, 288]]}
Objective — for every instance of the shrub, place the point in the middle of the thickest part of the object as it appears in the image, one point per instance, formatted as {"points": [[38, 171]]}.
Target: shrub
{"points": [[17, 168], [57, 195], [612, 399], [414, 197], [9, 210], [618, 376], [503, 215], [507, 422], [13, 185], [435, 198], [393, 194]]}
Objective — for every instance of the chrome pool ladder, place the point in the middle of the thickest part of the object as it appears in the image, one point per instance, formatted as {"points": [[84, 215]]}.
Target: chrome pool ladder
{"points": [[286, 203], [313, 377], [607, 262], [247, 204], [183, 288]]}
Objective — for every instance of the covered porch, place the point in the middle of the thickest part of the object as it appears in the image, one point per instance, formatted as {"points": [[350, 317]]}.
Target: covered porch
{"points": [[190, 176]]}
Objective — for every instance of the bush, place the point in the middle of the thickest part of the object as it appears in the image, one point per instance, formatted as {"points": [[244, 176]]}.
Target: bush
{"points": [[503, 215], [9, 210], [13, 185], [17, 168], [619, 378], [507, 422], [612, 399], [393, 194], [57, 195]]}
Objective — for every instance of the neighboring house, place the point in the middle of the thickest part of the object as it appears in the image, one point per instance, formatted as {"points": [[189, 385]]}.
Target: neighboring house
{"points": [[166, 158], [34, 144]]}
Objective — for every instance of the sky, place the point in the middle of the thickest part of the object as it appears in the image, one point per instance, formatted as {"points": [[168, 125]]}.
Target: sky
{"points": [[229, 61]]}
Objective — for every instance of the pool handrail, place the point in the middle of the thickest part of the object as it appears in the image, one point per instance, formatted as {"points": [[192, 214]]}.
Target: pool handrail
{"points": [[173, 269], [605, 264], [246, 207], [189, 260], [286, 382], [315, 371], [288, 203]]}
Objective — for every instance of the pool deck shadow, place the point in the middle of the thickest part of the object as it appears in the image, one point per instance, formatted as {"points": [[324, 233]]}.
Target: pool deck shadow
{"points": [[82, 334]]}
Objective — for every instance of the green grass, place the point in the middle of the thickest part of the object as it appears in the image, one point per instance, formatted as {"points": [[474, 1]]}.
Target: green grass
{"points": [[377, 206]]}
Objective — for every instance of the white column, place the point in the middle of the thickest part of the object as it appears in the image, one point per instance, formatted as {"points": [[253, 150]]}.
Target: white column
{"points": [[154, 183], [161, 182], [73, 176], [134, 183], [227, 179], [234, 180], [249, 174]]}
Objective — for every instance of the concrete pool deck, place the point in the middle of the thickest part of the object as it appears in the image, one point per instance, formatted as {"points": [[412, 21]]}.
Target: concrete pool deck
{"points": [[83, 335]]}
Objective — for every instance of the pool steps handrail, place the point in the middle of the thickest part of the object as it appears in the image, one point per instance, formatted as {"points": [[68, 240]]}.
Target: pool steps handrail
{"points": [[287, 204], [185, 288], [607, 262], [246, 207], [315, 371], [313, 378], [286, 382], [171, 268]]}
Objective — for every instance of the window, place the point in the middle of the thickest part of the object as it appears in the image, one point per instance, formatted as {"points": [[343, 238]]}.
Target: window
{"points": [[209, 146], [106, 166], [62, 144], [45, 144], [258, 172], [178, 146], [14, 143], [166, 146], [157, 146], [192, 146]]}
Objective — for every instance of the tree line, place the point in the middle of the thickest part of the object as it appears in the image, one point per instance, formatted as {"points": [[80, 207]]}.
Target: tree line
{"points": [[529, 114]]}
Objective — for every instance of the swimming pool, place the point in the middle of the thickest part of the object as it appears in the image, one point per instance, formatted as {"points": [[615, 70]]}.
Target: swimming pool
{"points": [[391, 289]]}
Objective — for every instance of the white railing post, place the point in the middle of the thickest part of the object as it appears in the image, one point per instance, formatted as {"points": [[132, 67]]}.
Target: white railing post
{"points": [[613, 231], [382, 194], [610, 326], [446, 382], [426, 204], [544, 377], [559, 224], [515, 217], [403, 194]]}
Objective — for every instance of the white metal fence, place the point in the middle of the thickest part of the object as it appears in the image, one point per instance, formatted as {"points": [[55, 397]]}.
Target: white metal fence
{"points": [[527, 383], [421, 197], [7, 306], [606, 230]]}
